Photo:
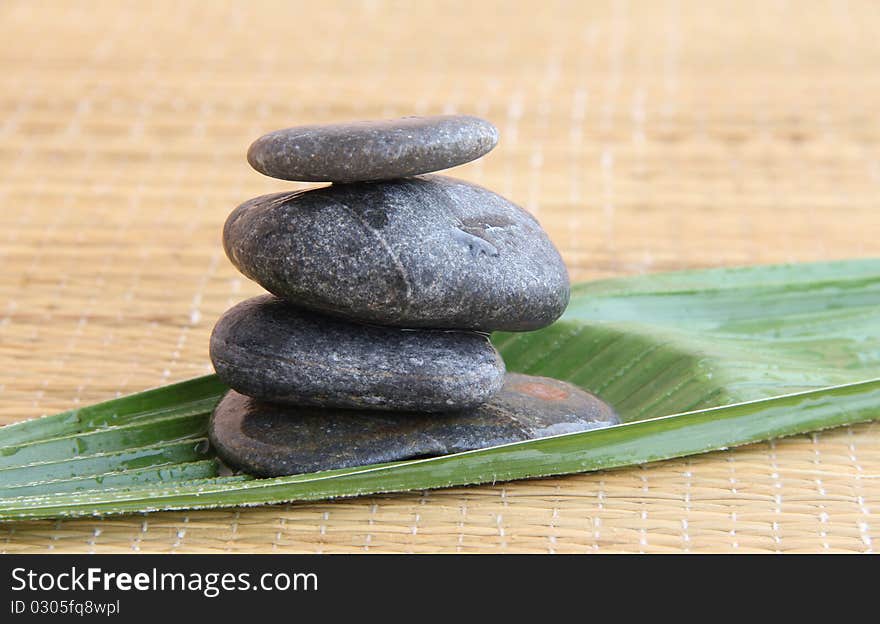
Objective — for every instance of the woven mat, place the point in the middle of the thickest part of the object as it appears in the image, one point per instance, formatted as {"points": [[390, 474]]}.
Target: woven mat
{"points": [[645, 137]]}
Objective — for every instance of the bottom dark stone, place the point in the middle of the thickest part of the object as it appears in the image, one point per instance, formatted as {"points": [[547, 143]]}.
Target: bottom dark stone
{"points": [[273, 440]]}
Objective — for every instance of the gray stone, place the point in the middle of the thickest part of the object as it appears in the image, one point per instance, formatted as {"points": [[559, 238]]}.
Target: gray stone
{"points": [[372, 150], [428, 251], [270, 440], [268, 349]]}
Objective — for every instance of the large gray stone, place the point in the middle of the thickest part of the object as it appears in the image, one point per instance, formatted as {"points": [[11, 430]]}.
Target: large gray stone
{"points": [[429, 251], [266, 348], [271, 440], [372, 150]]}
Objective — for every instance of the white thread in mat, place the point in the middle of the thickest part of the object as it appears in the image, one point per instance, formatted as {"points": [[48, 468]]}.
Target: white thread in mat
{"points": [[371, 523], [139, 536], [864, 526], [282, 523], [597, 516], [865, 532], [643, 532], [685, 534], [823, 514], [233, 532], [96, 533], [464, 510], [504, 505], [735, 543], [55, 535], [777, 496], [180, 535], [731, 463], [499, 524], [322, 531], [552, 536]]}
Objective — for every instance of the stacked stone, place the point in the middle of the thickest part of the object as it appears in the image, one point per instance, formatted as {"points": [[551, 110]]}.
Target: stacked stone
{"points": [[373, 345]]}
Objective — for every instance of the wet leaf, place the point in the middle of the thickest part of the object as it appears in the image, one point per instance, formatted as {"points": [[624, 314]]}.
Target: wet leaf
{"points": [[693, 362]]}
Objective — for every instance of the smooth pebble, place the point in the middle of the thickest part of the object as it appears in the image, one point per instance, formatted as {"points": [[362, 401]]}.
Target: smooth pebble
{"points": [[372, 150], [266, 348], [271, 440], [429, 251]]}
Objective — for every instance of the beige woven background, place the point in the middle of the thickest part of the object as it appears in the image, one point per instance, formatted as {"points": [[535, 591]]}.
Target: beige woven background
{"points": [[646, 136]]}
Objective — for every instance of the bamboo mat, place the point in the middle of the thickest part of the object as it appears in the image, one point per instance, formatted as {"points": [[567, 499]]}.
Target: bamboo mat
{"points": [[646, 136]]}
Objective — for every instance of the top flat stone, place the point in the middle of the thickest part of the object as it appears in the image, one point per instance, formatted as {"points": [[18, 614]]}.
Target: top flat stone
{"points": [[372, 150]]}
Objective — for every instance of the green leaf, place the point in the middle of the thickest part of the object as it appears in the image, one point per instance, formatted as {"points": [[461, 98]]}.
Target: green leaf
{"points": [[195, 396], [124, 478], [161, 454], [693, 361]]}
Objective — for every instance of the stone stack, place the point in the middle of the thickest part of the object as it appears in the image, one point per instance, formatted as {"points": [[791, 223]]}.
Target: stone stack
{"points": [[373, 345]]}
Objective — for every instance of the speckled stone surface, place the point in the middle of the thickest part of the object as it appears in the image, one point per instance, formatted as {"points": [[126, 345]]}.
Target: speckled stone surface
{"points": [[271, 440], [429, 251], [372, 150], [268, 349]]}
